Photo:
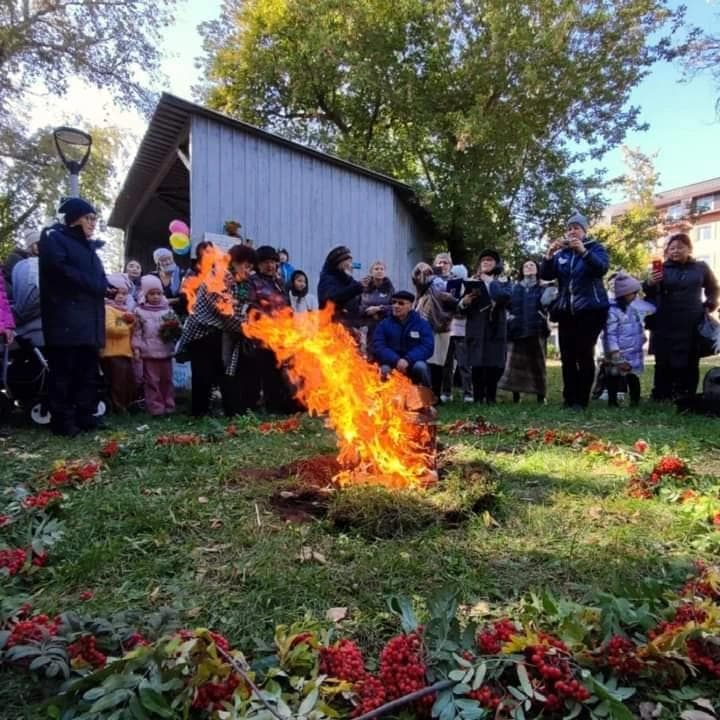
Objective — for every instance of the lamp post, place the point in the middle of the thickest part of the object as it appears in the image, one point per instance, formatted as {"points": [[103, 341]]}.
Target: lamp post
{"points": [[73, 147]]}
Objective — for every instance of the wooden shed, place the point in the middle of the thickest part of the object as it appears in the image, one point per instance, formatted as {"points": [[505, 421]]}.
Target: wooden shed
{"points": [[205, 168]]}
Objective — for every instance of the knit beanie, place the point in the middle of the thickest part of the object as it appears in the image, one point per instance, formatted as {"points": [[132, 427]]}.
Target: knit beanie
{"points": [[161, 252], [150, 282], [577, 219], [119, 281], [29, 238], [74, 208], [625, 285], [487, 253], [336, 256], [266, 252]]}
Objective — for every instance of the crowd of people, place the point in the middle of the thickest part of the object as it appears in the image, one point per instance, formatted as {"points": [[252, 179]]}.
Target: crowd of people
{"points": [[453, 330]]}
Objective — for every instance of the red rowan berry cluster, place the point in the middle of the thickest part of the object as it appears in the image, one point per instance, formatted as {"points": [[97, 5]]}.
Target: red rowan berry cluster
{"points": [[343, 660], [670, 466], [75, 472], [622, 656], [402, 668], [34, 628], [135, 640], [41, 500], [683, 615], [491, 640], [13, 560], [110, 449], [220, 641], [179, 439], [371, 695], [479, 427], [487, 697], [548, 661], [85, 648], [705, 655], [40, 559], [211, 696]]}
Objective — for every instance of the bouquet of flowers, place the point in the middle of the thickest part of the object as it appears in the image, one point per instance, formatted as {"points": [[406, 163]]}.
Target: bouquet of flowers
{"points": [[171, 329]]}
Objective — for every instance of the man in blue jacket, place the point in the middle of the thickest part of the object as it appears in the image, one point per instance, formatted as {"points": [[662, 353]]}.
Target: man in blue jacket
{"points": [[72, 306], [404, 341]]}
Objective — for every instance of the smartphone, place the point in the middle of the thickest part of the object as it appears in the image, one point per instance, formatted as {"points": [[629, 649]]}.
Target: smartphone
{"points": [[657, 266]]}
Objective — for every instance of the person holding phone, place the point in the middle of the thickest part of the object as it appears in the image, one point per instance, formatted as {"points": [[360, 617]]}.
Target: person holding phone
{"points": [[676, 287], [578, 263]]}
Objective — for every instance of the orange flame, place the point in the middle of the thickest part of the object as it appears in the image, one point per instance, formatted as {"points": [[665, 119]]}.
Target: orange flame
{"points": [[212, 272], [379, 441]]}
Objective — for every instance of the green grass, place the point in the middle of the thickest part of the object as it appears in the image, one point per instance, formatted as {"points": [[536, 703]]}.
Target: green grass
{"points": [[186, 526]]}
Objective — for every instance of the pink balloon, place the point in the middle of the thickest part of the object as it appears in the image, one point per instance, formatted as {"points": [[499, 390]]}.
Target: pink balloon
{"points": [[178, 226]]}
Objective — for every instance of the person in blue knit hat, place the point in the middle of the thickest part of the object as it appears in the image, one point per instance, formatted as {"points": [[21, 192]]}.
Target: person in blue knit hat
{"points": [[72, 294], [578, 263]]}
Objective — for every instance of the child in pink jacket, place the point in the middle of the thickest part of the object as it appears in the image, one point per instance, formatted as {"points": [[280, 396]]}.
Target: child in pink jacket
{"points": [[7, 321], [155, 327]]}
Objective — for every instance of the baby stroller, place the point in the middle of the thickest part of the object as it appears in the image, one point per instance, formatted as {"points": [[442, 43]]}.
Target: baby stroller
{"points": [[25, 373]]}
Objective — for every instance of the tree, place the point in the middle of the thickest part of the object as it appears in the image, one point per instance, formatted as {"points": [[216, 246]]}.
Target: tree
{"points": [[112, 45], [32, 178], [701, 54], [485, 107], [630, 238]]}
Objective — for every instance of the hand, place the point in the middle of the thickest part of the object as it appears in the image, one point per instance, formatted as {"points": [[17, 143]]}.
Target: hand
{"points": [[402, 366], [655, 278], [365, 282], [9, 334], [554, 246], [373, 310], [577, 245]]}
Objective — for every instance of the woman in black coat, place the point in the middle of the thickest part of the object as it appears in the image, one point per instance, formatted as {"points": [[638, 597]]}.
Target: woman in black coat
{"points": [[337, 285], [677, 291], [72, 306]]}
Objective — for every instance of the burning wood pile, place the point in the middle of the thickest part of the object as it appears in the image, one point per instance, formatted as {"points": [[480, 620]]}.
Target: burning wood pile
{"points": [[385, 429]]}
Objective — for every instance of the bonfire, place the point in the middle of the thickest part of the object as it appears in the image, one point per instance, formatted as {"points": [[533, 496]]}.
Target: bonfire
{"points": [[384, 429]]}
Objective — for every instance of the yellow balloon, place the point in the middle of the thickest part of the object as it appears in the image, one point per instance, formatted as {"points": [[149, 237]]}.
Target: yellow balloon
{"points": [[179, 241]]}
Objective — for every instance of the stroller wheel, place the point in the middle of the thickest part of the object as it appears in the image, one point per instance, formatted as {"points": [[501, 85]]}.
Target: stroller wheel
{"points": [[39, 414], [101, 409]]}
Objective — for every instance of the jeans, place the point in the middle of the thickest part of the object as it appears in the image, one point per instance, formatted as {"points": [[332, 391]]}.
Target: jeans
{"points": [[419, 373]]}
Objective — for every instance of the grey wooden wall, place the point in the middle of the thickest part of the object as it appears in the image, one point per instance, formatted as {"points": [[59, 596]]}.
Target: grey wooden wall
{"points": [[287, 198]]}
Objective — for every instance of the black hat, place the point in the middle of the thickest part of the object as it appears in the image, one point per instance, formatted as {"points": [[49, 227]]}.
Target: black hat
{"points": [[489, 254], [75, 208], [267, 252], [403, 295], [242, 253], [337, 255]]}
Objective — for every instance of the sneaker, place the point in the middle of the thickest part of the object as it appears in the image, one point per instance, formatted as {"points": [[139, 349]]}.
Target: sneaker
{"points": [[468, 398], [445, 398]]}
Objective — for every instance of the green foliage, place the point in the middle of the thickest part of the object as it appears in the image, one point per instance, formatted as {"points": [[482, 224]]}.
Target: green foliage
{"points": [[484, 108], [32, 178], [631, 237]]}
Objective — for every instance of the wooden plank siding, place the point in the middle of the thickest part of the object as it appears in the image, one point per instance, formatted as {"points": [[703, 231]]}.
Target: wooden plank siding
{"points": [[286, 198]]}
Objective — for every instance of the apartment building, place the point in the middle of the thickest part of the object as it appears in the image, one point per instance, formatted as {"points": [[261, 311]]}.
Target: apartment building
{"points": [[694, 209]]}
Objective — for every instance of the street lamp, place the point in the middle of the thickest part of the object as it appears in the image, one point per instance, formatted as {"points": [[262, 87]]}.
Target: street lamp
{"points": [[73, 147]]}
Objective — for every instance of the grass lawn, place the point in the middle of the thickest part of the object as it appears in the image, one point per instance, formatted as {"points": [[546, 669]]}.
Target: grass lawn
{"points": [[188, 527]]}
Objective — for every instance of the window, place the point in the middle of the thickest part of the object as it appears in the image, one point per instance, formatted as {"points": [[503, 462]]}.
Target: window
{"points": [[707, 203], [675, 212], [705, 233]]}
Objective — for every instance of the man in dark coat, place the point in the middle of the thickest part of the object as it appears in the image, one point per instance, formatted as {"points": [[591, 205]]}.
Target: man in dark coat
{"points": [[72, 292], [404, 341]]}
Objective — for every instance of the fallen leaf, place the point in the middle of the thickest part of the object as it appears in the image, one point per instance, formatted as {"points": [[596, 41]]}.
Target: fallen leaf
{"points": [[307, 554], [194, 612], [650, 710], [155, 594], [151, 491], [142, 428], [697, 715], [216, 523], [480, 609], [202, 500], [704, 703], [595, 513], [336, 614]]}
